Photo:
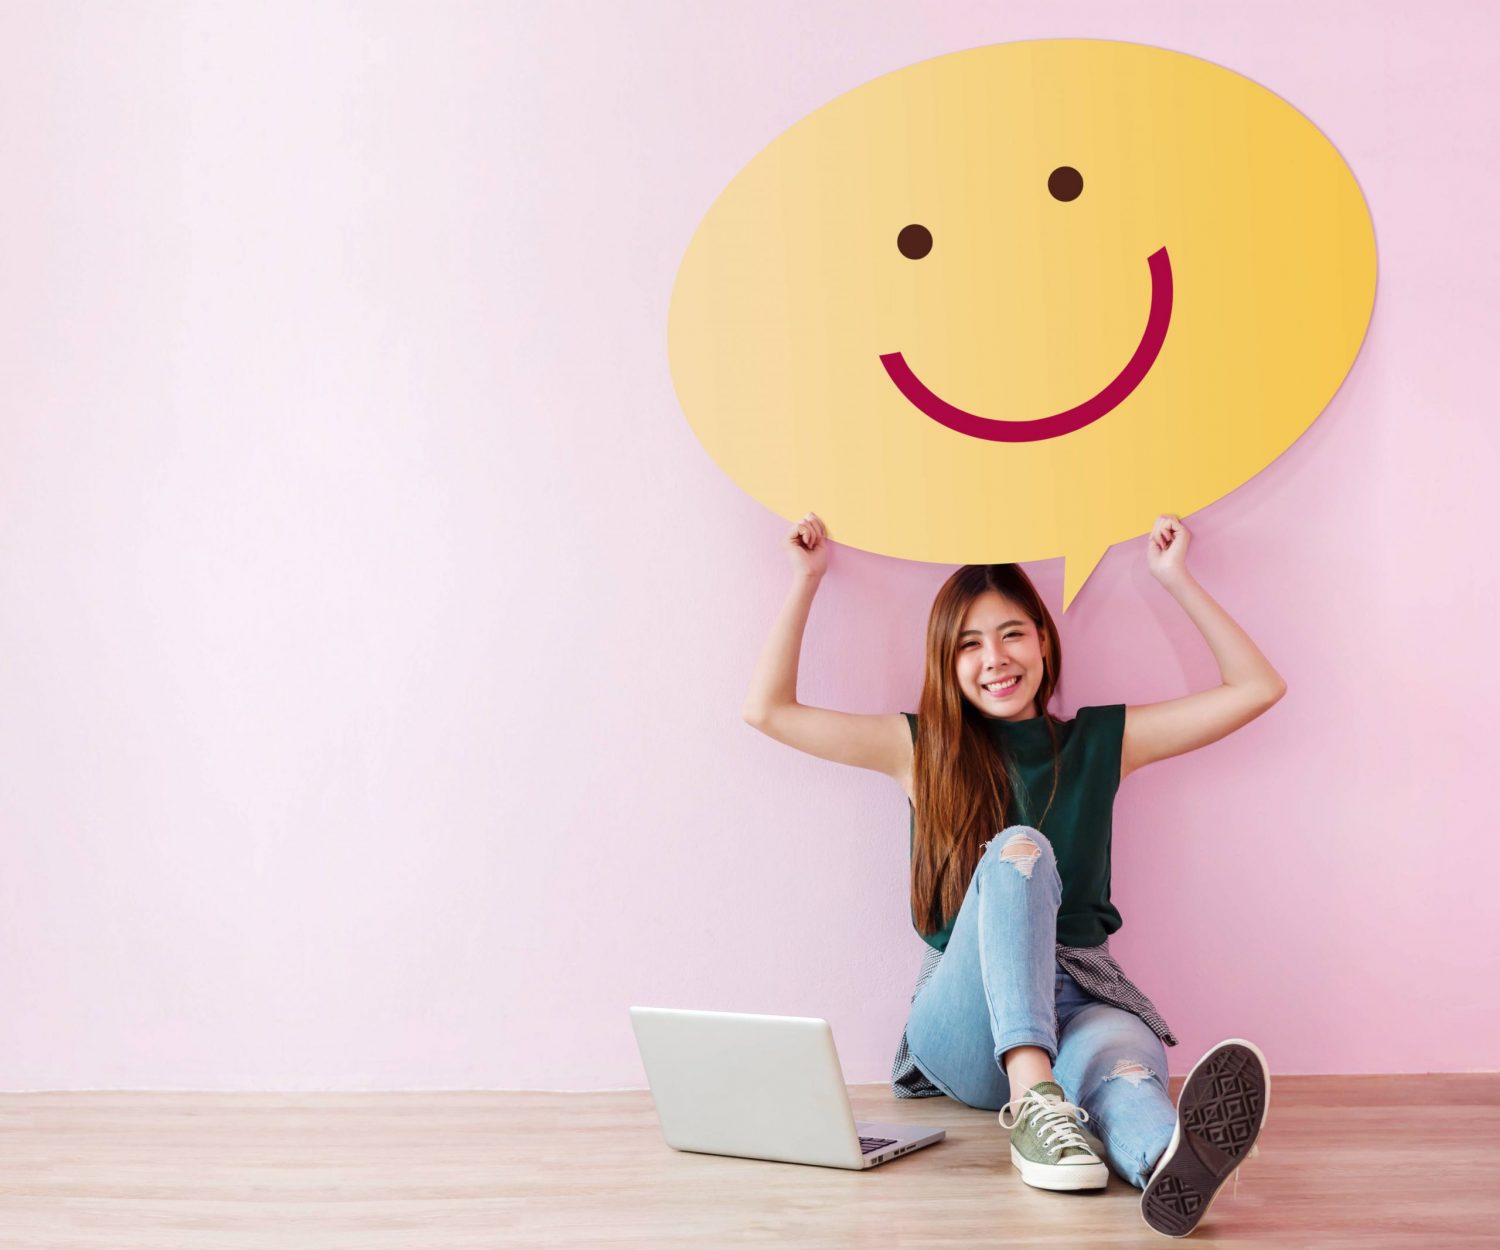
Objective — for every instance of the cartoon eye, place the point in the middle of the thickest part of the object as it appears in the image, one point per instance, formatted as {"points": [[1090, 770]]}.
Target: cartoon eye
{"points": [[914, 242], [1065, 183]]}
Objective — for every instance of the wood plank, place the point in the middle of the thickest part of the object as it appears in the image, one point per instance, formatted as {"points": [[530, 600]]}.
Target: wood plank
{"points": [[1345, 1162]]}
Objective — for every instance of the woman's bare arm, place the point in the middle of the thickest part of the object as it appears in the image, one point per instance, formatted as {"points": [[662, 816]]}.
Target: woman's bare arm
{"points": [[1249, 685], [881, 743]]}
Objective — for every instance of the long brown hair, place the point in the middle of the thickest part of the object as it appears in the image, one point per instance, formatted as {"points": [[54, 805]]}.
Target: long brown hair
{"points": [[960, 777]]}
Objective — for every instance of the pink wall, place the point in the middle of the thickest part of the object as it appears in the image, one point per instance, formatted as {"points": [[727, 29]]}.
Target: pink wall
{"points": [[373, 631]]}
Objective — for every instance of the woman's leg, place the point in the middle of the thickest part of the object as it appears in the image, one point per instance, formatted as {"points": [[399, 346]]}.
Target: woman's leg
{"points": [[1115, 1068], [995, 988]]}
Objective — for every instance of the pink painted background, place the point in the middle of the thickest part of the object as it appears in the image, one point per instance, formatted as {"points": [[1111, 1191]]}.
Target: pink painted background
{"points": [[373, 631]]}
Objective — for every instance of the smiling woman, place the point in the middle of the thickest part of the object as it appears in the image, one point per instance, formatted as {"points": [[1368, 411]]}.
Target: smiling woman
{"points": [[1019, 1005]]}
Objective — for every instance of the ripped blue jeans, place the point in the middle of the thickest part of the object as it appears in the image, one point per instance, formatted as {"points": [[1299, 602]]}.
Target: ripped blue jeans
{"points": [[997, 987]]}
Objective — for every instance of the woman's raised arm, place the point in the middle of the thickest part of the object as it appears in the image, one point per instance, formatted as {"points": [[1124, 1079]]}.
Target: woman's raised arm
{"points": [[1249, 685], [881, 743]]}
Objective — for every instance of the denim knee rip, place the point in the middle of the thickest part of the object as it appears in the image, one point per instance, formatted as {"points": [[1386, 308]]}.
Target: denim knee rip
{"points": [[1021, 852], [1131, 1071]]}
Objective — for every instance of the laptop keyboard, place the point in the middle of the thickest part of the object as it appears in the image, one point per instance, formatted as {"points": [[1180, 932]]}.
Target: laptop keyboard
{"points": [[868, 1145]]}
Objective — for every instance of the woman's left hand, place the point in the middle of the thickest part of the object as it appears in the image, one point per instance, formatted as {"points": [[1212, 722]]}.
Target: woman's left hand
{"points": [[1166, 553]]}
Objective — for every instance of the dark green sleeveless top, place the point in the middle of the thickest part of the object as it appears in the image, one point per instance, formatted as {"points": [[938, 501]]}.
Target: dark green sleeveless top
{"points": [[1079, 822]]}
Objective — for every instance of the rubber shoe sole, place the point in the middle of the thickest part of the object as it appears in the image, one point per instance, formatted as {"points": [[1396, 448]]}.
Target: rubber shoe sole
{"points": [[1066, 1176], [1220, 1112]]}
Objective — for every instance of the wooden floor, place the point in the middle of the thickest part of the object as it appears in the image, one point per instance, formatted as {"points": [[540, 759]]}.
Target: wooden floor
{"points": [[1344, 1162]]}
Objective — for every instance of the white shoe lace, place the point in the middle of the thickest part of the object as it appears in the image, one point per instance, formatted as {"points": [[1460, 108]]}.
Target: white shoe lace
{"points": [[1254, 1151], [1052, 1118]]}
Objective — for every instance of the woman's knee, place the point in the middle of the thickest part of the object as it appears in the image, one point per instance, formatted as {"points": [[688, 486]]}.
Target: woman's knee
{"points": [[1110, 1049], [1131, 1071], [1019, 848]]}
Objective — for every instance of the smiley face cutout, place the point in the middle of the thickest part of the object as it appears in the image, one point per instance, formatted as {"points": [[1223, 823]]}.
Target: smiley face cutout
{"points": [[1015, 302]]}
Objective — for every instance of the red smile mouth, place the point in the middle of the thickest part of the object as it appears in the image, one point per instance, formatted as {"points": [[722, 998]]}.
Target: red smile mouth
{"points": [[944, 413]]}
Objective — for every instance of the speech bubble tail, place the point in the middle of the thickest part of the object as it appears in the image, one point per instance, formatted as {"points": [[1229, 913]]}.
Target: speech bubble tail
{"points": [[1078, 563]]}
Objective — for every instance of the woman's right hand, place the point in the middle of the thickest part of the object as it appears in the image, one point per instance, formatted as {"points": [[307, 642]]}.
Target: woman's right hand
{"points": [[807, 547]]}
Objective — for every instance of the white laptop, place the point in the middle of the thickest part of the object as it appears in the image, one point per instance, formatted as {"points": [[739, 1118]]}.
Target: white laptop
{"points": [[762, 1087]]}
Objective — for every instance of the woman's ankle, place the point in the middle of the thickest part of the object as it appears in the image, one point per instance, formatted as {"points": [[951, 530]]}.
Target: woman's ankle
{"points": [[1026, 1066]]}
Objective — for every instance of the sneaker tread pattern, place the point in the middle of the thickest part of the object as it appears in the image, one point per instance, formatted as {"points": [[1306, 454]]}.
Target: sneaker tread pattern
{"points": [[1221, 1110]]}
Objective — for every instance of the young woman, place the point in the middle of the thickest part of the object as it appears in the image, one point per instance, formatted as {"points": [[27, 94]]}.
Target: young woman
{"points": [[1019, 1005]]}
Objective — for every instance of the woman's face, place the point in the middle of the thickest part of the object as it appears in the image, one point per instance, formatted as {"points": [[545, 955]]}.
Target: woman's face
{"points": [[998, 644]]}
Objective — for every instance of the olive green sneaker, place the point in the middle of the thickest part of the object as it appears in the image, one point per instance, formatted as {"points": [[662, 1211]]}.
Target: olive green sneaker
{"points": [[1047, 1142]]}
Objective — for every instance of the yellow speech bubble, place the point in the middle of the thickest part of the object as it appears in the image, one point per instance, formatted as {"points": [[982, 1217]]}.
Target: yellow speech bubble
{"points": [[1015, 302]]}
